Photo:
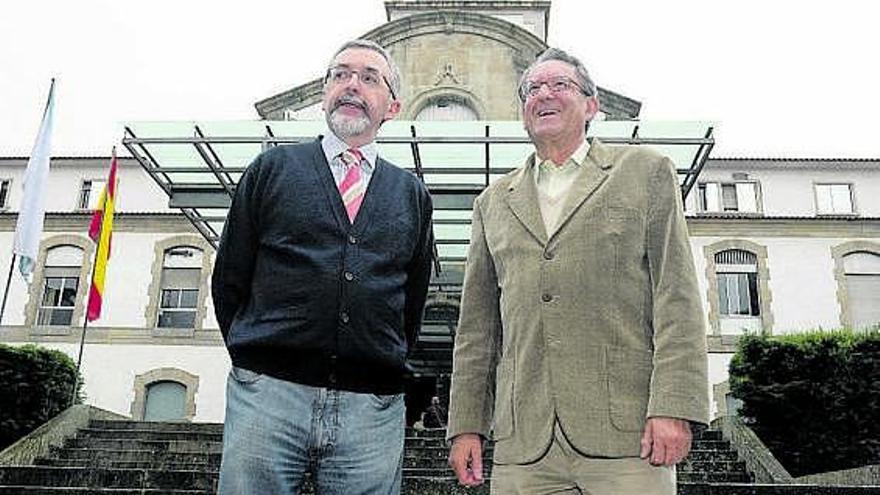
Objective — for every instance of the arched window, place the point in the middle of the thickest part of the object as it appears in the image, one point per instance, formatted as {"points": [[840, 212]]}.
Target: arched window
{"points": [[61, 275], [737, 275], [165, 401], [165, 394], [862, 277], [447, 108], [181, 277]]}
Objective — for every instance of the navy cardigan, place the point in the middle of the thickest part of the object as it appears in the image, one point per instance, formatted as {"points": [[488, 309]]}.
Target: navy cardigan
{"points": [[302, 294]]}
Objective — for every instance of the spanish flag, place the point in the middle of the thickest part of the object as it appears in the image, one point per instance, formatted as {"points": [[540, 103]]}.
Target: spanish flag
{"points": [[101, 230]]}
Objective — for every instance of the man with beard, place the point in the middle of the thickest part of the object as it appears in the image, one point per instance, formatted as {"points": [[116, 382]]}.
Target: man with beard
{"points": [[319, 286]]}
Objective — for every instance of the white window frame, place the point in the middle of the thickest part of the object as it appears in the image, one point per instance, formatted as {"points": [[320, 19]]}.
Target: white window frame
{"points": [[177, 307], [90, 202], [832, 207], [710, 197], [164, 311], [733, 296], [5, 190]]}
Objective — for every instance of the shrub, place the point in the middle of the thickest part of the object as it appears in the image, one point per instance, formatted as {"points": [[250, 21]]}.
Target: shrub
{"points": [[35, 385], [812, 398]]}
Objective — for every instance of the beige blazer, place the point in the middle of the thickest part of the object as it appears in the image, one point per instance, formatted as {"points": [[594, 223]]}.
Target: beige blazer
{"points": [[598, 324]]}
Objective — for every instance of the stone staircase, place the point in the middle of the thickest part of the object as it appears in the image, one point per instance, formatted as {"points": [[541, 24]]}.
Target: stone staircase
{"points": [[129, 457], [711, 462], [125, 458]]}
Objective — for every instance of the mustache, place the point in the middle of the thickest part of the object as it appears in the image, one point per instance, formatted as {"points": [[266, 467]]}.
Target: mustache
{"points": [[350, 100]]}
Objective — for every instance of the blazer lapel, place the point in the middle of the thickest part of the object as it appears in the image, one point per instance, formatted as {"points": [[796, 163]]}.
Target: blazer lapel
{"points": [[522, 198], [592, 176]]}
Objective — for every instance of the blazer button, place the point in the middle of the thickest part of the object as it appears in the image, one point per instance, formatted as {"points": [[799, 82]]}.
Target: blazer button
{"points": [[546, 297], [343, 317], [352, 239], [348, 276]]}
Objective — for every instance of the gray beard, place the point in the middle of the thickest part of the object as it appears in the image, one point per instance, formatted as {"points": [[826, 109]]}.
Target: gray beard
{"points": [[345, 127]]}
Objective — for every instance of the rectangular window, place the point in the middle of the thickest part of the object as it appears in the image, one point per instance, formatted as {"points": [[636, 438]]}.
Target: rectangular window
{"points": [[834, 199], [728, 197], [178, 308], [59, 298], [4, 193], [90, 194], [738, 294], [179, 297]]}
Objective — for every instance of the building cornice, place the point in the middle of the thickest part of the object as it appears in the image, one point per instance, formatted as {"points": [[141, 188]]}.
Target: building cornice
{"points": [[783, 226], [139, 222]]}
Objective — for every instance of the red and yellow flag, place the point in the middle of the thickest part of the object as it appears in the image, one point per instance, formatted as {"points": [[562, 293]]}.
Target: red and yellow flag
{"points": [[101, 230]]}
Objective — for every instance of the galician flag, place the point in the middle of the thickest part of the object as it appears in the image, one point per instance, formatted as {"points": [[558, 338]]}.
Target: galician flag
{"points": [[101, 230], [29, 226]]}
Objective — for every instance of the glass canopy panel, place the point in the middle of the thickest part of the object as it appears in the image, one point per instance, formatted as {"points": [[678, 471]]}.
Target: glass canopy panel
{"points": [[452, 155]]}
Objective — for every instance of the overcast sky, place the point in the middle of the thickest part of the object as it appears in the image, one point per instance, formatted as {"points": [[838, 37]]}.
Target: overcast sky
{"points": [[781, 78]]}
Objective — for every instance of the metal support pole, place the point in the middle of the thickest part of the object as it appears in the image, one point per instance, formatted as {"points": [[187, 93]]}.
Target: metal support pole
{"points": [[6, 290]]}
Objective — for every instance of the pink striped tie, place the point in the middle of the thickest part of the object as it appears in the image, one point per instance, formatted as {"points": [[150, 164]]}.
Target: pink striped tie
{"points": [[352, 187]]}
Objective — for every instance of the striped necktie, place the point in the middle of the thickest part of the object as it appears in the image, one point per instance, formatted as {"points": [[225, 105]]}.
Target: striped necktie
{"points": [[352, 187]]}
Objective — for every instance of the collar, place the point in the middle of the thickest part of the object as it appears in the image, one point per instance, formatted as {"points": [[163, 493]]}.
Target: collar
{"points": [[577, 158], [333, 146]]}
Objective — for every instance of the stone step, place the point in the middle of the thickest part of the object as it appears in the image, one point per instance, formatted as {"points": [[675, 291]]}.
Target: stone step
{"points": [[135, 455], [147, 434], [434, 452], [439, 486], [183, 446], [446, 472], [426, 433], [705, 434], [113, 464], [106, 478], [720, 445], [688, 467], [157, 426], [763, 489], [713, 466], [56, 490], [710, 455], [437, 442], [441, 473], [720, 477]]}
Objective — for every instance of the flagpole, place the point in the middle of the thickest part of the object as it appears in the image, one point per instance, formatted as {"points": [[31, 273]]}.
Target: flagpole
{"points": [[82, 336], [6, 290], [85, 326]]}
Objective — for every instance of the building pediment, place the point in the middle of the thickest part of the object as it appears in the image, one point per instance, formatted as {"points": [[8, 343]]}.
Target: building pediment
{"points": [[470, 53]]}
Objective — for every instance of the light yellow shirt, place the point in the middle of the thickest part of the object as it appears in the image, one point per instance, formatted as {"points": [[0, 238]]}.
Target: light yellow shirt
{"points": [[554, 182]]}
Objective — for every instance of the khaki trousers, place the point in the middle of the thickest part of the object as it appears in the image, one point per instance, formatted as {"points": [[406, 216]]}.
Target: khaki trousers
{"points": [[563, 470]]}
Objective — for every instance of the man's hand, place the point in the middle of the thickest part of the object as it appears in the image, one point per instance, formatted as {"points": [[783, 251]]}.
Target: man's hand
{"points": [[666, 441], [466, 459]]}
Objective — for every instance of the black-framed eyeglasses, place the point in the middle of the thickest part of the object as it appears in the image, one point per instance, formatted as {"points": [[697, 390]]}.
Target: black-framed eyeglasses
{"points": [[556, 85], [371, 78]]}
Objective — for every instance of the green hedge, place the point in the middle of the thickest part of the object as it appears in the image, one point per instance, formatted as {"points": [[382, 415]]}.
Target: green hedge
{"points": [[814, 398], [35, 385]]}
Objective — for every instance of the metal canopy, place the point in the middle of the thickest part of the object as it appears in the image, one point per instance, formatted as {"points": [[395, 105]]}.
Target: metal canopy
{"points": [[199, 164]]}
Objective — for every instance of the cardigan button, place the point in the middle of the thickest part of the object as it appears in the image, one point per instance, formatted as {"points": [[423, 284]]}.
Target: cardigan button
{"points": [[343, 317], [546, 297], [348, 276], [548, 255]]}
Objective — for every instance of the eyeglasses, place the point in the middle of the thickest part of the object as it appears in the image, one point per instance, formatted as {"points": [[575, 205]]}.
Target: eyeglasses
{"points": [[370, 78], [556, 85]]}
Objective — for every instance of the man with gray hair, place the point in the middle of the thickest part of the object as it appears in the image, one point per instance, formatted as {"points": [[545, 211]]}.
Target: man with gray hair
{"points": [[319, 285], [581, 347]]}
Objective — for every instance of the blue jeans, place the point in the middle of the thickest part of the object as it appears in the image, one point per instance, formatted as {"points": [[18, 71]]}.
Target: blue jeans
{"points": [[276, 431]]}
